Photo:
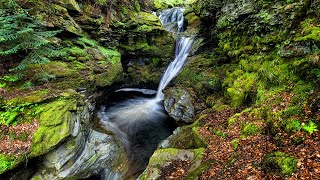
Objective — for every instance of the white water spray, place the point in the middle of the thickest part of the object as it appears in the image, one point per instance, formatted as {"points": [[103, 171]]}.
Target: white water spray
{"points": [[183, 47]]}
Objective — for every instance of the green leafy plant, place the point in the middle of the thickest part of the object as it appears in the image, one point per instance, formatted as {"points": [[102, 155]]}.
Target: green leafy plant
{"points": [[22, 40], [6, 163], [13, 78], [11, 112], [310, 127]]}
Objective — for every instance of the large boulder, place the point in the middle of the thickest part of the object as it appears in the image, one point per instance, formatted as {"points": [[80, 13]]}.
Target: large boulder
{"points": [[179, 104]]}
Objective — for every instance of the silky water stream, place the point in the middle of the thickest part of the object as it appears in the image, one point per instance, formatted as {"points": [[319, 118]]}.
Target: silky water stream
{"points": [[138, 118]]}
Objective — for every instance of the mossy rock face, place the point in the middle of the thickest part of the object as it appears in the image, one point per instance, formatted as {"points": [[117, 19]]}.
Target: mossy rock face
{"points": [[70, 4], [54, 15], [193, 22], [55, 125], [145, 59], [186, 137], [164, 157], [199, 75], [242, 89], [280, 163], [165, 4]]}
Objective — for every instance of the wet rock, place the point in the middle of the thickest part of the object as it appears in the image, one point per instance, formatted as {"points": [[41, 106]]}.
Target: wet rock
{"points": [[238, 9], [86, 154], [179, 104], [73, 149], [295, 50]]}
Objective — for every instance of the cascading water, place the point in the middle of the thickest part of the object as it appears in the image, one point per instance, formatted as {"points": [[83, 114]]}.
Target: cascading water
{"points": [[172, 18], [183, 46], [142, 123]]}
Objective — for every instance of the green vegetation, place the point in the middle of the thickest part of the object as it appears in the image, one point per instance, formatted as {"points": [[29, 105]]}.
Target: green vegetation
{"points": [[279, 161], [22, 36], [163, 4], [6, 162], [11, 112], [250, 129], [235, 143], [54, 125]]}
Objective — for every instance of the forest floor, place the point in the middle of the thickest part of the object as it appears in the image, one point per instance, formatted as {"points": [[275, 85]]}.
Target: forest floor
{"points": [[232, 155]]}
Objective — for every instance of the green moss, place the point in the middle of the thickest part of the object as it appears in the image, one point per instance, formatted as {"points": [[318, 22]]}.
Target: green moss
{"points": [[142, 46], [194, 174], [281, 163], [76, 51], [220, 134], [250, 129], [223, 22], [187, 138], [102, 2], [164, 4], [6, 163], [145, 18], [242, 89], [59, 69], [234, 143], [160, 156], [54, 126], [310, 30]]}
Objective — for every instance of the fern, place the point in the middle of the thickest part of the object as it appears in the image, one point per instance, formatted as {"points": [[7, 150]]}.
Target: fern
{"points": [[310, 127], [21, 35]]}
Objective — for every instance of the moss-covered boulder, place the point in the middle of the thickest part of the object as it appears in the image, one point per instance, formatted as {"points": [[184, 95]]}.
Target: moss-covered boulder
{"points": [[163, 162], [280, 163], [187, 137], [193, 22], [56, 123]]}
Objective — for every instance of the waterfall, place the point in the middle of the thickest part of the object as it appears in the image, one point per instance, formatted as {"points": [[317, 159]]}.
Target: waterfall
{"points": [[172, 18], [142, 123], [183, 47]]}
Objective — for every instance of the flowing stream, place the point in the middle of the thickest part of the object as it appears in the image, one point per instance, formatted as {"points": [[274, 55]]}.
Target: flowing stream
{"points": [[141, 123]]}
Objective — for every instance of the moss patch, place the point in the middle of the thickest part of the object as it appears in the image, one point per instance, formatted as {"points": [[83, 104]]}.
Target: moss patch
{"points": [[54, 121], [281, 163]]}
